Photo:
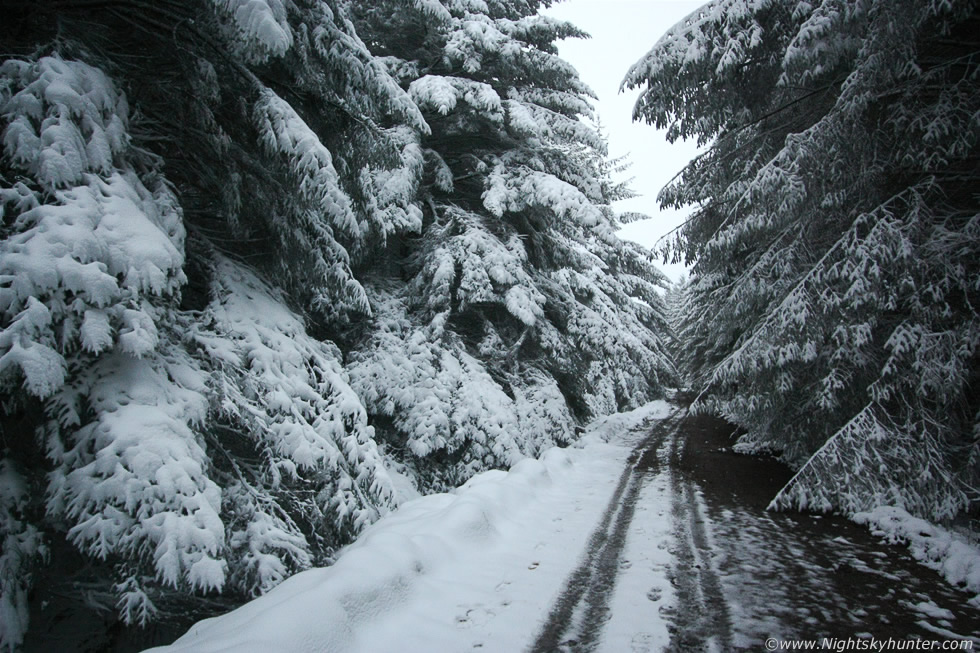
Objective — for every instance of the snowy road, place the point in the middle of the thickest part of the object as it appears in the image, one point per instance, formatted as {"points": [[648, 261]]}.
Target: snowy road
{"points": [[583, 608], [797, 575], [736, 575], [657, 540]]}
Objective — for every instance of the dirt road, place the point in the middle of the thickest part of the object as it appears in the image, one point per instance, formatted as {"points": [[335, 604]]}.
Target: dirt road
{"points": [[575, 622], [739, 574]]}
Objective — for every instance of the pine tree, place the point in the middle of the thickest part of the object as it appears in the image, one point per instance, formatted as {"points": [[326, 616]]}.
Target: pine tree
{"points": [[210, 207], [516, 284], [169, 215], [833, 298]]}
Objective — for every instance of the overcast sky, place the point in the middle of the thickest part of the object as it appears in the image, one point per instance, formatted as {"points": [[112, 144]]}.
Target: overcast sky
{"points": [[622, 32]]}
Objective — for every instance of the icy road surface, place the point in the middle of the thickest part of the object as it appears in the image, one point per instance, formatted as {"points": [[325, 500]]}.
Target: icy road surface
{"points": [[655, 540]]}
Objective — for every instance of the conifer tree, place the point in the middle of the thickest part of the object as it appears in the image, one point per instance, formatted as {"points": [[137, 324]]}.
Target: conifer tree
{"points": [[180, 183], [833, 301], [517, 264], [250, 262]]}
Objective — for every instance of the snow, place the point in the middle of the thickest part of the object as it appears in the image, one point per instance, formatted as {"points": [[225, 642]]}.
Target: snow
{"points": [[285, 132], [103, 236], [262, 26], [290, 393], [490, 269], [476, 567], [442, 398], [930, 609], [514, 188], [145, 484], [605, 428], [43, 367], [434, 9], [402, 484], [435, 92], [391, 193], [945, 632], [946, 552], [647, 557], [793, 313], [687, 44], [19, 544]]}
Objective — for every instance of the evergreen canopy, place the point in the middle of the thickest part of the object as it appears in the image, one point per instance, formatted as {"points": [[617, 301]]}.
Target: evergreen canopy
{"points": [[259, 255], [833, 305]]}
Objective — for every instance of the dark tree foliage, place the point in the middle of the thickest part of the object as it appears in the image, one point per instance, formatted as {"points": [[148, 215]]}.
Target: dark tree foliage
{"points": [[257, 255], [833, 305]]}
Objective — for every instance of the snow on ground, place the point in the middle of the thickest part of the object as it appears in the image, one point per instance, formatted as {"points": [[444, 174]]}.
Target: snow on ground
{"points": [[480, 568], [646, 590], [475, 568], [946, 552], [625, 427]]}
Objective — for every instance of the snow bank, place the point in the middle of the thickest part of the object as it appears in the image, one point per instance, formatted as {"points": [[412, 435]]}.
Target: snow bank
{"points": [[475, 566], [325, 609], [949, 554], [617, 425]]}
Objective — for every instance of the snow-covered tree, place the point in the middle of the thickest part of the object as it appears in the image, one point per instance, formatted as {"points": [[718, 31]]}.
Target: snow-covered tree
{"points": [[833, 301], [167, 218], [91, 263], [249, 261], [683, 332], [517, 284]]}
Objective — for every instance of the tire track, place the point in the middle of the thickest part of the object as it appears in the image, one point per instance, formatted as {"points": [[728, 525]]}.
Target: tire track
{"points": [[700, 619], [575, 621]]}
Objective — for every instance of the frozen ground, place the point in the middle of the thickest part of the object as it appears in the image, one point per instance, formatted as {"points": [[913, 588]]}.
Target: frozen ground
{"points": [[638, 539]]}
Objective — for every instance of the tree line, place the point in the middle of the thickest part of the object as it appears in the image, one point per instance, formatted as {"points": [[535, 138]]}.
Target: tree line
{"points": [[264, 262], [832, 309]]}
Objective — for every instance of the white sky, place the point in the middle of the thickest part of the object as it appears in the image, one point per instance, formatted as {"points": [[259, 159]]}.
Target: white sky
{"points": [[622, 32]]}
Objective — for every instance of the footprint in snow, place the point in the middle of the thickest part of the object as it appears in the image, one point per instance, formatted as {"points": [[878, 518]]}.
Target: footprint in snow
{"points": [[655, 593], [476, 616], [641, 643], [533, 565]]}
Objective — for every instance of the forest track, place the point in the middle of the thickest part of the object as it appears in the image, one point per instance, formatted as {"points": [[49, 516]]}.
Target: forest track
{"points": [[576, 620], [700, 620], [740, 574], [786, 575]]}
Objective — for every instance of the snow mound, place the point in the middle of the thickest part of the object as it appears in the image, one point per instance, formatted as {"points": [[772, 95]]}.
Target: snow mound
{"points": [[949, 554], [382, 568], [619, 425]]}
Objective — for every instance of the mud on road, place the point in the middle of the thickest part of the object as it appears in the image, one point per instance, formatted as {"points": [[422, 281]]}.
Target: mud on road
{"points": [[741, 574]]}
